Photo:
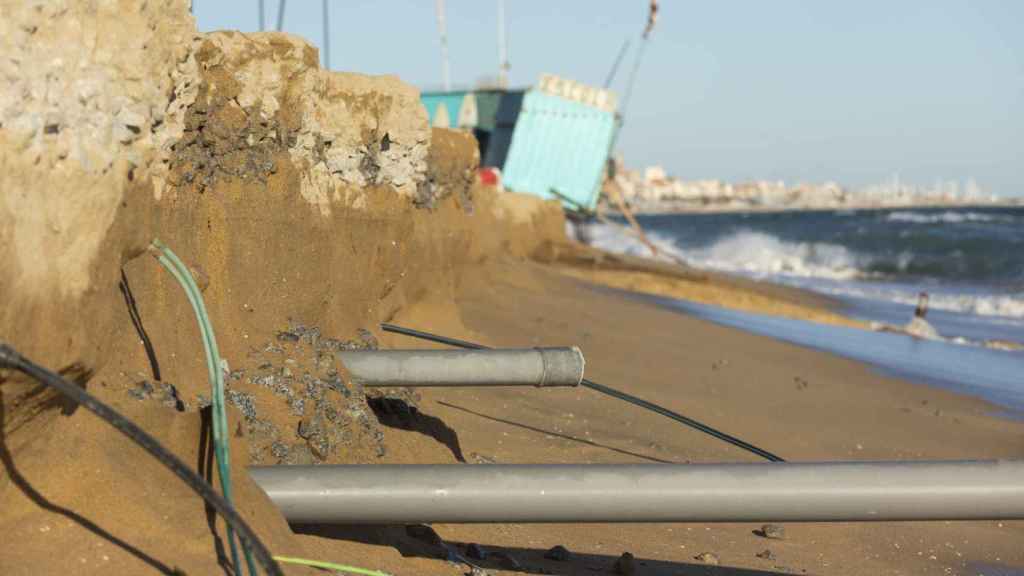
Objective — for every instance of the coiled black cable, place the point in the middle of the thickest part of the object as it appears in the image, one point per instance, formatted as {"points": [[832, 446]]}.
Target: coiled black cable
{"points": [[11, 359], [604, 390]]}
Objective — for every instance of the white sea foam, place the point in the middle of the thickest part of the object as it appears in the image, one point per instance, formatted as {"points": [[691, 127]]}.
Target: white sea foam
{"points": [[995, 306], [746, 252], [761, 255], [1005, 305], [616, 240], [945, 217]]}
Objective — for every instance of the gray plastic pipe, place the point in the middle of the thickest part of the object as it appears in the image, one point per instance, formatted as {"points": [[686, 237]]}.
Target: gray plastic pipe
{"points": [[819, 492], [540, 367]]}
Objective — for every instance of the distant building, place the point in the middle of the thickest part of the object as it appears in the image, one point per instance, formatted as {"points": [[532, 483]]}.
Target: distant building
{"points": [[551, 140]]}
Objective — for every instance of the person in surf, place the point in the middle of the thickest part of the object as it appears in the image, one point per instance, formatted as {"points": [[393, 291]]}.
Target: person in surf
{"points": [[918, 327]]}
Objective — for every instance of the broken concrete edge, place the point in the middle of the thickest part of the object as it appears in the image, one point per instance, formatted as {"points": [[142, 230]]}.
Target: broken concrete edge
{"points": [[109, 140]]}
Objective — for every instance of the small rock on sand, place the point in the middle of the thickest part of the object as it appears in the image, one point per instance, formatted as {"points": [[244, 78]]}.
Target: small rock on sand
{"points": [[709, 558], [766, 555], [558, 553], [772, 532], [625, 565]]}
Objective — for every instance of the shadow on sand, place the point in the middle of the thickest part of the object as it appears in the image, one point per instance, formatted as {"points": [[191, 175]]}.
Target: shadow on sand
{"points": [[419, 541]]}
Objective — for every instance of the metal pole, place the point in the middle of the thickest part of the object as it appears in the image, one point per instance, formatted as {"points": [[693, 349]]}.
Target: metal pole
{"points": [[280, 16], [503, 65], [263, 24], [632, 79], [446, 74], [327, 39], [540, 367], [818, 492], [615, 65]]}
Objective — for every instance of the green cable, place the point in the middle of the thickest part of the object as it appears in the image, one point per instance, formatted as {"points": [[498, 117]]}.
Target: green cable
{"points": [[220, 416], [180, 272], [221, 447], [329, 566]]}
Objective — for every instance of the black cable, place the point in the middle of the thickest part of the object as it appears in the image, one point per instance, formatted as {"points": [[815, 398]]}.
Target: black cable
{"points": [[604, 390], [133, 311], [10, 358]]}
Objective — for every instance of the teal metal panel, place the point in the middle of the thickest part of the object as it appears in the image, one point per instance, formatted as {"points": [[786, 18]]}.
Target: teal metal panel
{"points": [[487, 102], [559, 144], [451, 101]]}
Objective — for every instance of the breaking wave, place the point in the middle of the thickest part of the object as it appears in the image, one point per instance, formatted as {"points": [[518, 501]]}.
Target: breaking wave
{"points": [[746, 252], [617, 241], [762, 255]]}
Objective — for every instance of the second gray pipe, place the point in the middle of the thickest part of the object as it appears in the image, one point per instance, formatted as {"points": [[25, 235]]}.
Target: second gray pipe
{"points": [[805, 492], [541, 367]]}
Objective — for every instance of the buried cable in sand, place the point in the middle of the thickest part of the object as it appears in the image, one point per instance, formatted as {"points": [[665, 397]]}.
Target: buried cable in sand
{"points": [[329, 566], [10, 358], [170, 261]]}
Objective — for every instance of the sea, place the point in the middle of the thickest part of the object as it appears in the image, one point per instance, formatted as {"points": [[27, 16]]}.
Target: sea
{"points": [[874, 264]]}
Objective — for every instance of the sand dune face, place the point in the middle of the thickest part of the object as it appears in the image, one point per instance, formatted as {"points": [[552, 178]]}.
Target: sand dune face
{"points": [[296, 195]]}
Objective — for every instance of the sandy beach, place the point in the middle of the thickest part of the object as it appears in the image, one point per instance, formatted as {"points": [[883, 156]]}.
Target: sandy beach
{"points": [[309, 206], [801, 404]]}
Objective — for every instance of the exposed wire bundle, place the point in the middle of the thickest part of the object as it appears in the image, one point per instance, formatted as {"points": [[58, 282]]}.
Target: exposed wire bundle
{"points": [[181, 273], [221, 450]]}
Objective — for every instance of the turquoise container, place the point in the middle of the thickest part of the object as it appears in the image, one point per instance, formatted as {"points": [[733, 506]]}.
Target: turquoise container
{"points": [[559, 144]]}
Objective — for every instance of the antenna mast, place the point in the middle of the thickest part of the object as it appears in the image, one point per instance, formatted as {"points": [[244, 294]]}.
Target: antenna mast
{"points": [[327, 39], [503, 65], [446, 74], [280, 16]]}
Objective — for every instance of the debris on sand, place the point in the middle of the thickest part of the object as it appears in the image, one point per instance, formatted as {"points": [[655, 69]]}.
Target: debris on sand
{"points": [[772, 532], [163, 392], [323, 414], [709, 558]]}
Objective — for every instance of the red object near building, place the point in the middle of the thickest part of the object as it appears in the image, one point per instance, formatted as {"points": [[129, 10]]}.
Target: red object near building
{"points": [[489, 176]]}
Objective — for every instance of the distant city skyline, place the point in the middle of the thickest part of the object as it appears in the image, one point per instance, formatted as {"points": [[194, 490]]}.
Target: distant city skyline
{"points": [[793, 90]]}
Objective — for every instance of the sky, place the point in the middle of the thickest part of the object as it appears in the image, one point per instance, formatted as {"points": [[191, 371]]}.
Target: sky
{"points": [[795, 90]]}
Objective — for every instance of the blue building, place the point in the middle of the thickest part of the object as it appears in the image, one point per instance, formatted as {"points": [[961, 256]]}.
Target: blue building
{"points": [[552, 140]]}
